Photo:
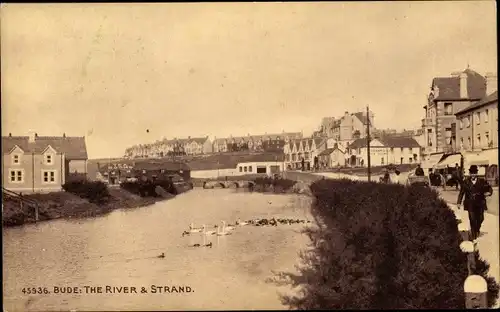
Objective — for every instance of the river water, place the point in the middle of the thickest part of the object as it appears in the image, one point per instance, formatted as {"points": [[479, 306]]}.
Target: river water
{"points": [[120, 249]]}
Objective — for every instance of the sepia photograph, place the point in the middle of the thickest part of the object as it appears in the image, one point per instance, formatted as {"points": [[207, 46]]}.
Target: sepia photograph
{"points": [[250, 156]]}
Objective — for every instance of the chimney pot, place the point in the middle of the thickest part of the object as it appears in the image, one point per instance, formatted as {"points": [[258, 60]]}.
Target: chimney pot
{"points": [[491, 83], [10, 134], [64, 135]]}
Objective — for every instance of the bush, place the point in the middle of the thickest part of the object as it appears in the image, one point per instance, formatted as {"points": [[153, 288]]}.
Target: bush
{"points": [[148, 188], [381, 246], [95, 191]]}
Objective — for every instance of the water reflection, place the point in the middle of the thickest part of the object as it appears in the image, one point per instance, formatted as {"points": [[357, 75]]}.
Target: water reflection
{"points": [[121, 249]]}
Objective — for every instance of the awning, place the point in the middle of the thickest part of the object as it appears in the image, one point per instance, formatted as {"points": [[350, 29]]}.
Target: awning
{"points": [[483, 158], [449, 161], [431, 162]]}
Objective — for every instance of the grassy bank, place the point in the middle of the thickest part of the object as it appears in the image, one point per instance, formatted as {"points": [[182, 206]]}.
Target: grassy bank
{"points": [[66, 204], [382, 246]]}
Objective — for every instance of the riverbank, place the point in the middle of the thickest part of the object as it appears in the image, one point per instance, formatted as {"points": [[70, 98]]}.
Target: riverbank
{"points": [[63, 204]]}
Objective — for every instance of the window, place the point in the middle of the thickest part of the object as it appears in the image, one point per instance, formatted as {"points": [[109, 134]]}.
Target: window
{"points": [[402, 149], [448, 136], [261, 170], [392, 149], [382, 161], [478, 118], [487, 137], [448, 109], [461, 123], [48, 159], [16, 176], [478, 140], [461, 143], [402, 159], [429, 137], [48, 176], [467, 121], [411, 150], [486, 116], [249, 168], [241, 169], [245, 168], [469, 142], [16, 159], [410, 160]]}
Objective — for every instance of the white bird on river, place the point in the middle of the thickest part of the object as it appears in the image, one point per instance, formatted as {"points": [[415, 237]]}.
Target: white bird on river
{"points": [[227, 228], [205, 232], [239, 222], [192, 229], [223, 231]]}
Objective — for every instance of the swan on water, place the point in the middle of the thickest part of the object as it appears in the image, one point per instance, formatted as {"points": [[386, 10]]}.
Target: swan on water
{"points": [[205, 232], [192, 229], [227, 228], [222, 232], [239, 222]]}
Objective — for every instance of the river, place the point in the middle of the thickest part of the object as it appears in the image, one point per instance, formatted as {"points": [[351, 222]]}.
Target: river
{"points": [[120, 249]]}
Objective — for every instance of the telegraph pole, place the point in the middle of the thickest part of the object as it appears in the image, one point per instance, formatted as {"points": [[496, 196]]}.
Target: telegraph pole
{"points": [[368, 141]]}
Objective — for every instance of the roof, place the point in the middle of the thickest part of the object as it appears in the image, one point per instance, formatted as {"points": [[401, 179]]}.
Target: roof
{"points": [[362, 117], [449, 87], [485, 101], [263, 137], [158, 165], [74, 148], [326, 152], [388, 141], [224, 161]]}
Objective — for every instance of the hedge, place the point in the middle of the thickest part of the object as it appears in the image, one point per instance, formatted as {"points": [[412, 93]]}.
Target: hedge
{"points": [[95, 191], [382, 246], [147, 188]]}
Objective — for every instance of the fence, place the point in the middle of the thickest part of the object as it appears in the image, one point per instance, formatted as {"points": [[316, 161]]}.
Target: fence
{"points": [[19, 198]]}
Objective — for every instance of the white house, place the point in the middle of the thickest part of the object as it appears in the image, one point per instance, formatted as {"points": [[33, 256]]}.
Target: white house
{"points": [[237, 165], [384, 151]]}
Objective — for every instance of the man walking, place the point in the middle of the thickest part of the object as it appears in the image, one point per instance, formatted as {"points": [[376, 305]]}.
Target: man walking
{"points": [[473, 193], [457, 176]]}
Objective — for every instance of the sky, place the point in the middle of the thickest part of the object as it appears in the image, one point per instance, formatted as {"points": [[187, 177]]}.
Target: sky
{"points": [[125, 74]]}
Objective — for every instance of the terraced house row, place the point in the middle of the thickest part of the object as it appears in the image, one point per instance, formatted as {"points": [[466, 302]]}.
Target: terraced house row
{"points": [[203, 145], [163, 148]]}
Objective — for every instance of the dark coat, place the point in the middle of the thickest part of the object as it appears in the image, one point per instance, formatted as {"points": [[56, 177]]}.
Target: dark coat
{"points": [[419, 172], [474, 194]]}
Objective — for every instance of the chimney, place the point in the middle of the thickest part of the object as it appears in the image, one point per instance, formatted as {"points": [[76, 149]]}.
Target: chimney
{"points": [[64, 135], [10, 134], [455, 74], [463, 86], [189, 137], [32, 136], [346, 113], [491, 83]]}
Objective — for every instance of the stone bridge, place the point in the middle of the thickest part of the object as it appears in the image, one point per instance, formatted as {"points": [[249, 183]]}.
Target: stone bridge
{"points": [[228, 184]]}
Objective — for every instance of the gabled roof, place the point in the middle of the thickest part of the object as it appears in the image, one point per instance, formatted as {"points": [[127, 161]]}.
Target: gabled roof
{"points": [[485, 101], [362, 117], [449, 87], [389, 141], [73, 147]]}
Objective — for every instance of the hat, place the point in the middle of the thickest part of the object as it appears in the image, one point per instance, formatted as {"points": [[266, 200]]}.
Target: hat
{"points": [[473, 169]]}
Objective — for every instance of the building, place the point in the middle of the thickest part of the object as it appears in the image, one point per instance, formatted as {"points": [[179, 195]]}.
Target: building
{"points": [[237, 165], [42, 163], [115, 172], [352, 126], [164, 148], [306, 148], [333, 157], [448, 96], [477, 133], [254, 143], [383, 151]]}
